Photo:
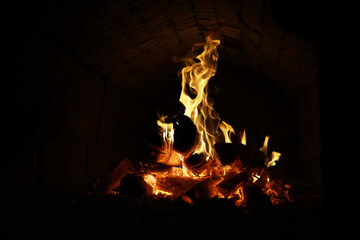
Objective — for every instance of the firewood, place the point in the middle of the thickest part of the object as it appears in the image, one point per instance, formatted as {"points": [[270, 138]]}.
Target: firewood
{"points": [[195, 161], [185, 141], [111, 180], [133, 185], [249, 155], [200, 192], [186, 135], [233, 180], [153, 139], [255, 198]]}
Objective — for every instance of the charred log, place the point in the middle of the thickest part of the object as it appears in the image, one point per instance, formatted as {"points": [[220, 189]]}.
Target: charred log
{"points": [[255, 198], [199, 193], [153, 139], [111, 180], [195, 161], [234, 180], [185, 135], [185, 141], [132, 185], [248, 155]]}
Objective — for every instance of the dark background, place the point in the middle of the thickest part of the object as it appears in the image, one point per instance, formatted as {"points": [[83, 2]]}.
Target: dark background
{"points": [[83, 80]]}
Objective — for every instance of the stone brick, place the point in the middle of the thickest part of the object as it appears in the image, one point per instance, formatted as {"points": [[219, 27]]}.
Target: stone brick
{"points": [[270, 53], [205, 12], [227, 13], [251, 12], [288, 61], [293, 43], [252, 36], [181, 13], [308, 66], [251, 43], [276, 75], [230, 31], [297, 84], [63, 165], [182, 16], [272, 32]]}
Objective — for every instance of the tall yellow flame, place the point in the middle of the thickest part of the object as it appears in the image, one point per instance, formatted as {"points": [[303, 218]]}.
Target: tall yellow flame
{"points": [[195, 77]]}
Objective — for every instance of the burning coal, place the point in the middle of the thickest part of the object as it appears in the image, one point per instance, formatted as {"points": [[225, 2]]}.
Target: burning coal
{"points": [[194, 156]]}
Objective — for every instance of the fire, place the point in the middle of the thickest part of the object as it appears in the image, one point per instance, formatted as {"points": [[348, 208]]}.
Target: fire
{"points": [[275, 156], [195, 77], [227, 129], [169, 157], [202, 167], [243, 138], [167, 130]]}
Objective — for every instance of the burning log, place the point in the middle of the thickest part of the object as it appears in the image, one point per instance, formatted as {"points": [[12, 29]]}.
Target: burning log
{"points": [[248, 155], [110, 181], [185, 139], [233, 180], [278, 192], [200, 192], [185, 135], [218, 170], [133, 185], [169, 158], [153, 139], [255, 198], [195, 162]]}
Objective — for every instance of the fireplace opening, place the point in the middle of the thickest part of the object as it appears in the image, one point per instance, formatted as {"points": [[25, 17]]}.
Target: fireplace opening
{"points": [[87, 81]]}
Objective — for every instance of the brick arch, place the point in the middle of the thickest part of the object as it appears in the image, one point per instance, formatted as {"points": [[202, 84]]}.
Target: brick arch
{"points": [[131, 42]]}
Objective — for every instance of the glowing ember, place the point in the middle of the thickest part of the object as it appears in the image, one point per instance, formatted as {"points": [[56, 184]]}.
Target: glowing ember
{"points": [[202, 169]]}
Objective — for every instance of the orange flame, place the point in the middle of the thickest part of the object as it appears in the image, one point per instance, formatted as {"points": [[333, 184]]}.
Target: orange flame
{"points": [[275, 156], [227, 129], [176, 180], [243, 138], [195, 77]]}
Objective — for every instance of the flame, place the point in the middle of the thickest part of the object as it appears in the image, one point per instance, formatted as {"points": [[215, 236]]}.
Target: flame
{"points": [[265, 145], [243, 138], [168, 156], [167, 130], [195, 77], [151, 181], [227, 129], [275, 156]]}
